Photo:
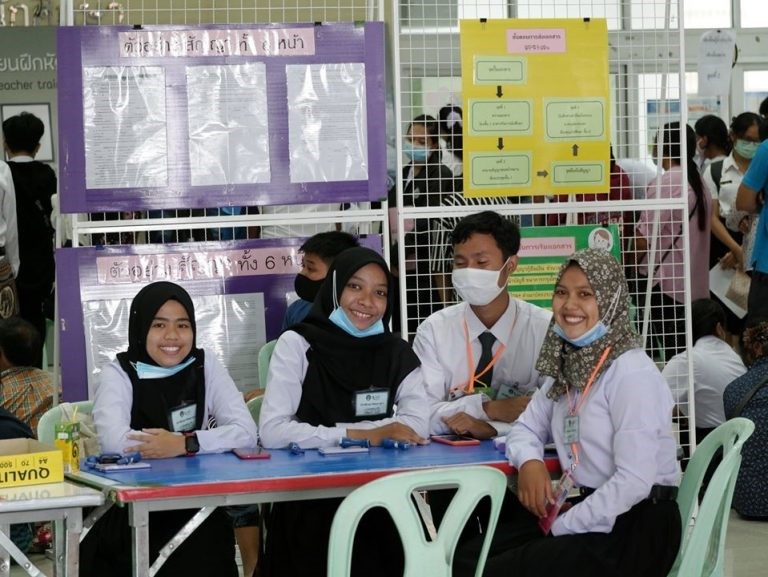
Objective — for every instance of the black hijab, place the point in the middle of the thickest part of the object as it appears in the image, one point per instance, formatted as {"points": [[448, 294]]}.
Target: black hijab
{"points": [[144, 307], [153, 398], [341, 364]]}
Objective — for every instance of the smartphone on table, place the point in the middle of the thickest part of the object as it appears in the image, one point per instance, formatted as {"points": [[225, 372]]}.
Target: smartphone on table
{"points": [[455, 440], [252, 453]]}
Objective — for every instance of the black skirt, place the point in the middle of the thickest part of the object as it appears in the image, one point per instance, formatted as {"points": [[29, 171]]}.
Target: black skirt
{"points": [[643, 543], [297, 541]]}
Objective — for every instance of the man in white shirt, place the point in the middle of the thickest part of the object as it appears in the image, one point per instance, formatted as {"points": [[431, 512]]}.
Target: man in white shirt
{"points": [[450, 342], [715, 366]]}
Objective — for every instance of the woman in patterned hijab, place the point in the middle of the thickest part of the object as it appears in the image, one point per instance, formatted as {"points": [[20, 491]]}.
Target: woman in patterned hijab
{"points": [[562, 359], [608, 411]]}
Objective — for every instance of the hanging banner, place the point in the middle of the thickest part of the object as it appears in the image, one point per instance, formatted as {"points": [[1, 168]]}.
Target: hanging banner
{"points": [[28, 80], [543, 250], [536, 106], [716, 53], [222, 115]]}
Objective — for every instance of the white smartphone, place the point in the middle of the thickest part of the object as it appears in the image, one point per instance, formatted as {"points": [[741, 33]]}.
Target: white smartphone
{"points": [[341, 450]]}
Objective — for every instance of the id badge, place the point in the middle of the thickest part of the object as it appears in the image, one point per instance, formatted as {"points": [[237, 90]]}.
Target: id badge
{"points": [[507, 391], [571, 432], [564, 486], [371, 402], [183, 417]]}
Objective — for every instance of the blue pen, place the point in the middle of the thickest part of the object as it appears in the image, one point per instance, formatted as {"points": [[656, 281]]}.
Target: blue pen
{"points": [[295, 449], [392, 444], [347, 442]]}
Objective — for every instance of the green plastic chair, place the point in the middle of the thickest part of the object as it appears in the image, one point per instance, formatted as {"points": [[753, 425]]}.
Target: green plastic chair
{"points": [[423, 558], [254, 406], [702, 549], [46, 426], [265, 353]]}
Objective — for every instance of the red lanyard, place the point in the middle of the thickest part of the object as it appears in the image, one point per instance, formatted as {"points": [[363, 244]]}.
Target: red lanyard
{"points": [[573, 408]]}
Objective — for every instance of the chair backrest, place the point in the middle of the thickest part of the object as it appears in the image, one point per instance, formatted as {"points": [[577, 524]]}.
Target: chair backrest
{"points": [[423, 558], [703, 553], [716, 504], [46, 426], [254, 406], [265, 353]]}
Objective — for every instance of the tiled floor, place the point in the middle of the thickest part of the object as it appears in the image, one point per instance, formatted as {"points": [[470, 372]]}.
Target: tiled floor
{"points": [[746, 553]]}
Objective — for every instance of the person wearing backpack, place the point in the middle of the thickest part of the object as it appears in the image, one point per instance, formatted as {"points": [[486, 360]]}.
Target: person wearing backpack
{"points": [[722, 178], [35, 184]]}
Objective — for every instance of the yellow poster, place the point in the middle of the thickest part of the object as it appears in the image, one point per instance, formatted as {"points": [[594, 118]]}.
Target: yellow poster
{"points": [[536, 106]]}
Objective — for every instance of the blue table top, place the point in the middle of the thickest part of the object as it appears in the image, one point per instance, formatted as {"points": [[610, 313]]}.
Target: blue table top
{"points": [[217, 468], [226, 473]]}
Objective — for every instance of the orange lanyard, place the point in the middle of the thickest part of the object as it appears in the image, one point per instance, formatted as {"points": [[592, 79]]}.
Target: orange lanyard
{"points": [[471, 360], [574, 408]]}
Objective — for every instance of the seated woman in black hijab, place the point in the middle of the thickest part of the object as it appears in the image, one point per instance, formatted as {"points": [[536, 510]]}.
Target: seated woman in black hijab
{"points": [[160, 397], [339, 374]]}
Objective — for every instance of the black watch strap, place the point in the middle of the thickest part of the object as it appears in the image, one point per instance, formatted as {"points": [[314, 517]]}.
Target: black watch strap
{"points": [[191, 444]]}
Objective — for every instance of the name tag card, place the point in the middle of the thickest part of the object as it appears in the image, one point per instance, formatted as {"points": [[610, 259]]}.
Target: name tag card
{"points": [[183, 417], [371, 402]]}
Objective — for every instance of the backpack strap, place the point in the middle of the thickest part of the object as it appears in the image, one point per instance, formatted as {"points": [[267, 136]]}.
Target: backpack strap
{"points": [[748, 397], [716, 169]]}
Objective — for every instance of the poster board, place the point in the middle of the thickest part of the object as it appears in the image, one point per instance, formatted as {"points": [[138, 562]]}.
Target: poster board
{"points": [[536, 106], [543, 250], [240, 290], [221, 115], [28, 80]]}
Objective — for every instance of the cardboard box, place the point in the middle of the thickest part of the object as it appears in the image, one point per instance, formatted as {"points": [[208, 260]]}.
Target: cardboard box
{"points": [[29, 462]]}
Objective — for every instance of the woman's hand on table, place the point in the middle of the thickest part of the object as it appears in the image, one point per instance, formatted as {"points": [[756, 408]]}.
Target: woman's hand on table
{"points": [[534, 487], [394, 431], [464, 424], [157, 444]]}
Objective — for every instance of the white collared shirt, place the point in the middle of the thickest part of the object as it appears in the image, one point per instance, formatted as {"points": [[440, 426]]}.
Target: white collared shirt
{"points": [[9, 234], [626, 444], [278, 425], [730, 179], [113, 399], [442, 349], [715, 366]]}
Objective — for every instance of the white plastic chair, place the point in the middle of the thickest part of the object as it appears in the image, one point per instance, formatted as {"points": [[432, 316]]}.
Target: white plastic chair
{"points": [[46, 426], [265, 354], [702, 549], [423, 558]]}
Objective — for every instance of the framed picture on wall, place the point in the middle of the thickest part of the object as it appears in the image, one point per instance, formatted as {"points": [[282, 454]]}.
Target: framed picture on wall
{"points": [[43, 112]]}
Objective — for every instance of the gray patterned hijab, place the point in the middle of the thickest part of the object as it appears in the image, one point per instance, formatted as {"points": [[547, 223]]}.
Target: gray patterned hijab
{"points": [[572, 366]]}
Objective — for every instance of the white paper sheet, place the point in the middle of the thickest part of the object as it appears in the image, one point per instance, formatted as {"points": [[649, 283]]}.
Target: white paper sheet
{"points": [[230, 326], [719, 281], [125, 127], [327, 122], [228, 124]]}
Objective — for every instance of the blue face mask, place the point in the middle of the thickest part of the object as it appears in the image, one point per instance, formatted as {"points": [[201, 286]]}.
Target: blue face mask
{"points": [[145, 371], [415, 152], [596, 332], [341, 320]]}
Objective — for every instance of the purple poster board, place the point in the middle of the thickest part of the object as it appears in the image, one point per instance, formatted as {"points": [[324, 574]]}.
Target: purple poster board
{"points": [[359, 46], [92, 274]]}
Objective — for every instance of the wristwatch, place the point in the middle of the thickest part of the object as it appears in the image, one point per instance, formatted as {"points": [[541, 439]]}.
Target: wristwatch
{"points": [[191, 444]]}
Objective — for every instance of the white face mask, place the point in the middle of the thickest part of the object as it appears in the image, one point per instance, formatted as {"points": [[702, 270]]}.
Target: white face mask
{"points": [[477, 286]]}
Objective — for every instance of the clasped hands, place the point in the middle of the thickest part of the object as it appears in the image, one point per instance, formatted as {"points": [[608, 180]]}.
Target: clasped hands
{"points": [[157, 444]]}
